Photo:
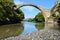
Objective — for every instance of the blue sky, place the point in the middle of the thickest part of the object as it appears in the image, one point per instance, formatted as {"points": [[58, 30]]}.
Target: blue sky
{"points": [[31, 12]]}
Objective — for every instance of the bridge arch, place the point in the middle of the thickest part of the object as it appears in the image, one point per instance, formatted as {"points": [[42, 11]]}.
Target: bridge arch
{"points": [[21, 5], [45, 12]]}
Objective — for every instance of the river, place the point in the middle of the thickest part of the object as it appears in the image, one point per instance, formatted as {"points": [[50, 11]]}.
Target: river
{"points": [[24, 28]]}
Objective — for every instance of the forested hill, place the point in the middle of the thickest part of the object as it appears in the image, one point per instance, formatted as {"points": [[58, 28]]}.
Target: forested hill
{"points": [[8, 14], [38, 18]]}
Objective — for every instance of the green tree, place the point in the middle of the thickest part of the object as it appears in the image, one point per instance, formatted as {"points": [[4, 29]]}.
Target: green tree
{"points": [[39, 17], [30, 19], [8, 14]]}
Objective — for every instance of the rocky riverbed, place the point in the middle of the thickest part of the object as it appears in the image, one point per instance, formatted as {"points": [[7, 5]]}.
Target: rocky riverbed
{"points": [[44, 34]]}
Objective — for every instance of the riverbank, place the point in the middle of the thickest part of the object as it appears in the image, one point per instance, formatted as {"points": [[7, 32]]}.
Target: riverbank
{"points": [[9, 22], [44, 34]]}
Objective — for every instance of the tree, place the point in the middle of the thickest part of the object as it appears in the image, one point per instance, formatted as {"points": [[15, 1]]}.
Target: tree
{"points": [[39, 17], [8, 14], [30, 19]]}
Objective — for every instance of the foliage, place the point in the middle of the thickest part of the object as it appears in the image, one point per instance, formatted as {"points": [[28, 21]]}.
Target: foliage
{"points": [[8, 14], [39, 17], [56, 14], [58, 8], [30, 19]]}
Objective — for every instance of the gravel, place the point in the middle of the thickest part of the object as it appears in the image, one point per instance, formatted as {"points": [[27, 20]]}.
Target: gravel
{"points": [[44, 34]]}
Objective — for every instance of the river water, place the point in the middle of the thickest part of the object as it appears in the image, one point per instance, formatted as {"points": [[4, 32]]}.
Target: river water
{"points": [[24, 28]]}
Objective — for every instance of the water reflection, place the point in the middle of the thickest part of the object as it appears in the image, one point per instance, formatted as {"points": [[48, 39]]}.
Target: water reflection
{"points": [[51, 26], [24, 28], [29, 27], [17, 29], [40, 26], [11, 30]]}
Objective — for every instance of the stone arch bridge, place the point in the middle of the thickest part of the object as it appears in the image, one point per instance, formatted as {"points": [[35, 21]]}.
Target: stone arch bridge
{"points": [[46, 13]]}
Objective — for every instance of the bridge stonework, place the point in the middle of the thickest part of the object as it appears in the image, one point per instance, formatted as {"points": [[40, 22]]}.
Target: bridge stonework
{"points": [[46, 13]]}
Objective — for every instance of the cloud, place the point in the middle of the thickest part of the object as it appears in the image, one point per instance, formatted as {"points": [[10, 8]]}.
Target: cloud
{"points": [[29, 8], [18, 2]]}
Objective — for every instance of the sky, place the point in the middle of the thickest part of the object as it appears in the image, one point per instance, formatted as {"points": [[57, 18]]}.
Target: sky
{"points": [[31, 12]]}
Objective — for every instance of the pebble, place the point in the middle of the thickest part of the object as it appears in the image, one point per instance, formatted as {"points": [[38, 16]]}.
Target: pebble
{"points": [[44, 34]]}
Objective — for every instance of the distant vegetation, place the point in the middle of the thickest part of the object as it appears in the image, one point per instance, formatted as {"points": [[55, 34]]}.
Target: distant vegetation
{"points": [[8, 14], [38, 18], [31, 20]]}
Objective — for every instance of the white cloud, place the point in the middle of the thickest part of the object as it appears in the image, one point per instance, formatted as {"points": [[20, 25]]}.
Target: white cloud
{"points": [[29, 8], [18, 2]]}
